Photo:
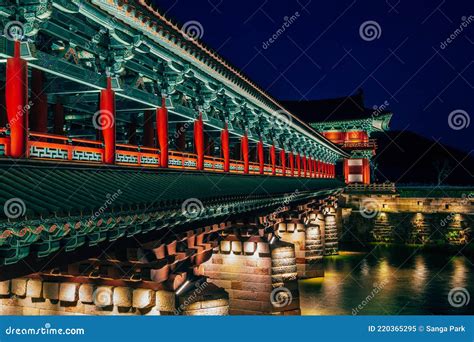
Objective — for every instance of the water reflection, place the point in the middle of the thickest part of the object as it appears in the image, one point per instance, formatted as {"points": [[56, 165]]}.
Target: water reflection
{"points": [[459, 273], [387, 281], [420, 274]]}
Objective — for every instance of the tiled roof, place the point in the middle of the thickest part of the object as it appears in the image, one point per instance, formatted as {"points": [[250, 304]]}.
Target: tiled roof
{"points": [[325, 110], [88, 205]]}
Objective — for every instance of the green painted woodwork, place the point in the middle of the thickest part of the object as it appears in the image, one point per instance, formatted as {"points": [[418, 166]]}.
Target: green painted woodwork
{"points": [[61, 202], [107, 39], [370, 124]]}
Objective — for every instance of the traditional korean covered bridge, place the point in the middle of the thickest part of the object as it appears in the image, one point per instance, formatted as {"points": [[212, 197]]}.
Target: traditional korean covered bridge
{"points": [[131, 155]]}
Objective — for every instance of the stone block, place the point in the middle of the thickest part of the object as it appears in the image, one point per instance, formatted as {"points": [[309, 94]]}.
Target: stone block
{"points": [[5, 287], [51, 290], [122, 297], [86, 292], [103, 296], [68, 292], [143, 298], [19, 287], [30, 311], [165, 301], [34, 288]]}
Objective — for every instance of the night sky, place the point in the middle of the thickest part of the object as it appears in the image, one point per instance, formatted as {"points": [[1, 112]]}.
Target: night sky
{"points": [[322, 54]]}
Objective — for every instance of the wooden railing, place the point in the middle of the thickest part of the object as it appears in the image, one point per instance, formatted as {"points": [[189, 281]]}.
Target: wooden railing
{"points": [[375, 187], [371, 144], [57, 147]]}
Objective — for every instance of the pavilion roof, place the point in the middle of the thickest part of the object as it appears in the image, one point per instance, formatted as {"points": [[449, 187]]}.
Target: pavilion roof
{"points": [[345, 108]]}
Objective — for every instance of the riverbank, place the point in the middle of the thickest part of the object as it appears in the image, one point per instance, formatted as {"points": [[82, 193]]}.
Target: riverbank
{"points": [[446, 249]]}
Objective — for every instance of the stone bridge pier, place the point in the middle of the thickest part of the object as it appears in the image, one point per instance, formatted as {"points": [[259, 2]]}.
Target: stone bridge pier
{"points": [[155, 278], [304, 228], [257, 270], [249, 266], [313, 229]]}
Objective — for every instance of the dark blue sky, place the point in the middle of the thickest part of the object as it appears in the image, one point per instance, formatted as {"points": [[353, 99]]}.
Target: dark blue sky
{"points": [[322, 54]]}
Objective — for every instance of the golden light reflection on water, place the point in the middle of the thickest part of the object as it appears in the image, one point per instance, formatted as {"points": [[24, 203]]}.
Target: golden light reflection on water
{"points": [[364, 267], [406, 283], [327, 287], [459, 274], [420, 274]]}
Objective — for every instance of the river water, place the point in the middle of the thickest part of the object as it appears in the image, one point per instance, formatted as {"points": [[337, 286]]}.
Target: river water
{"points": [[390, 281]]}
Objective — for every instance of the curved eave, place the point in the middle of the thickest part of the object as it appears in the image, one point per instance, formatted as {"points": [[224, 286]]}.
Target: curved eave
{"points": [[384, 122], [378, 123]]}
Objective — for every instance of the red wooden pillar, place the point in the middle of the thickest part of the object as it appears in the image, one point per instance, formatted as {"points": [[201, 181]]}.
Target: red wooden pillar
{"points": [[365, 171], [273, 159], [310, 167], [162, 132], [225, 148], [261, 157], [199, 142], [283, 162], [16, 101], [298, 165], [346, 171], [305, 167], [244, 145], [148, 130], [368, 172], [107, 121], [39, 109], [292, 164], [58, 126], [320, 172]]}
